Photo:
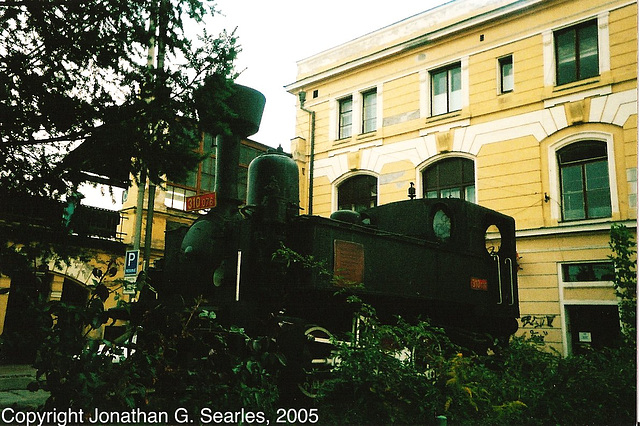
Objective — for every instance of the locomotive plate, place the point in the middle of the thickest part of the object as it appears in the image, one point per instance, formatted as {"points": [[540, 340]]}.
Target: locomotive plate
{"points": [[479, 284], [348, 263]]}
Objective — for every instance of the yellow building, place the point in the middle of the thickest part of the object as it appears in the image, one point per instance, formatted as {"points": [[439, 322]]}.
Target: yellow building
{"points": [[102, 237], [69, 263], [170, 209], [527, 107]]}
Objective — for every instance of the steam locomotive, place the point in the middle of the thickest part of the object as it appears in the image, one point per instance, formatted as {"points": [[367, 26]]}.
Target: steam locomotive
{"points": [[414, 258]]}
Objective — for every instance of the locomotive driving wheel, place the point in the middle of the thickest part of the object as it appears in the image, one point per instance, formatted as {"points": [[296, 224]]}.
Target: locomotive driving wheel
{"points": [[321, 355]]}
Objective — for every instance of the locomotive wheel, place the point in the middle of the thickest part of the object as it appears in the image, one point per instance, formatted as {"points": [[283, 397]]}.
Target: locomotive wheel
{"points": [[321, 355]]}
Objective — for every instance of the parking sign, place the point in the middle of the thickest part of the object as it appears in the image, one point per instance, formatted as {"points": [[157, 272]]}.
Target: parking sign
{"points": [[131, 262]]}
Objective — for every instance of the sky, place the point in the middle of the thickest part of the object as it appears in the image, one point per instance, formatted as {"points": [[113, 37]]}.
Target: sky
{"points": [[275, 34]]}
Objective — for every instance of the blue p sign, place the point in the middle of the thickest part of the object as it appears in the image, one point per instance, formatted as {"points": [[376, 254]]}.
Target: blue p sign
{"points": [[131, 262]]}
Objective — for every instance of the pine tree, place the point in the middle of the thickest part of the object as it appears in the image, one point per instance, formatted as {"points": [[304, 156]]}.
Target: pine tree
{"points": [[77, 71]]}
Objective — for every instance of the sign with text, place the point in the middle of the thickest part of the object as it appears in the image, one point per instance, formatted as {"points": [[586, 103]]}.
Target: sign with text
{"points": [[200, 202], [479, 284], [130, 285], [131, 259]]}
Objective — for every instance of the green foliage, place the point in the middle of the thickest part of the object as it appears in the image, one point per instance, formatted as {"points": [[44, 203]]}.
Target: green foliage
{"points": [[378, 380], [409, 374], [625, 280], [24, 263], [78, 71], [398, 373], [288, 258], [596, 388], [178, 356]]}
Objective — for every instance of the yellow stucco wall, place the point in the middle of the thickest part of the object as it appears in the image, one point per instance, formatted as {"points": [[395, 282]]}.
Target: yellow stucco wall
{"points": [[512, 137]]}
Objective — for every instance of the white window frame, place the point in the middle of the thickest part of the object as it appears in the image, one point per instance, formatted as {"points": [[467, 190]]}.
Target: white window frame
{"points": [[432, 160], [554, 173], [499, 80], [353, 116], [356, 113], [362, 95], [564, 303], [548, 47], [345, 177], [425, 87]]}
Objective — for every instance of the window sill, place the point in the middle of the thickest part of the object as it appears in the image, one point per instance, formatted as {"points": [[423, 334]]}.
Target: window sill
{"points": [[367, 136], [343, 140], [356, 139], [595, 86], [579, 83], [587, 284], [584, 221], [450, 116]]}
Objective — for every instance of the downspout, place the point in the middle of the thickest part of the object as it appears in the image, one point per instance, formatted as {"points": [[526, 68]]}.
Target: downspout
{"points": [[302, 96]]}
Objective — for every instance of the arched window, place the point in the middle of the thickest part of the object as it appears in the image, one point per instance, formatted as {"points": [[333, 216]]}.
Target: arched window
{"points": [[584, 181], [450, 178], [358, 193]]}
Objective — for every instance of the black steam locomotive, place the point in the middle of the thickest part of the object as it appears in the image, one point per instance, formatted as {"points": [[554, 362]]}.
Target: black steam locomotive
{"points": [[414, 258]]}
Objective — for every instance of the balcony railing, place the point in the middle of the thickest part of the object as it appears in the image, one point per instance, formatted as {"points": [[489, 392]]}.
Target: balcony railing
{"points": [[46, 213]]}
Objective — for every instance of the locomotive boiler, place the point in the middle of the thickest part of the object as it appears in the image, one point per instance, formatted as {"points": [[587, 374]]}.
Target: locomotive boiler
{"points": [[446, 259]]}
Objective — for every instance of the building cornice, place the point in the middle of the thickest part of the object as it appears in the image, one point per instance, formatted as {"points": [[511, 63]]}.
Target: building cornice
{"points": [[575, 228], [500, 11]]}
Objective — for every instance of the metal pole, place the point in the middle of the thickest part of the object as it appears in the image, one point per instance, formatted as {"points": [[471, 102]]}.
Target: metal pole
{"points": [[142, 182], [162, 24], [149, 228], [137, 231]]}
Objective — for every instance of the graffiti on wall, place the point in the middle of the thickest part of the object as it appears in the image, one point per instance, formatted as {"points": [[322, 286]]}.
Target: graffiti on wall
{"points": [[537, 321]]}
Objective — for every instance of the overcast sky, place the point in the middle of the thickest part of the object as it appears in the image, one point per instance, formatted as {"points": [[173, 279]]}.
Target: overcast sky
{"points": [[275, 34]]}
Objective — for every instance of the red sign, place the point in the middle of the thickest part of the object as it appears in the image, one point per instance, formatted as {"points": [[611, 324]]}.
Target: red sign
{"points": [[479, 284], [200, 202]]}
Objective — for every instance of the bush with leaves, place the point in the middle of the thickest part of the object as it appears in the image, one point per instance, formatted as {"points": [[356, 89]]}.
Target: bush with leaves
{"points": [[411, 373], [181, 357], [386, 374], [398, 373], [625, 281]]}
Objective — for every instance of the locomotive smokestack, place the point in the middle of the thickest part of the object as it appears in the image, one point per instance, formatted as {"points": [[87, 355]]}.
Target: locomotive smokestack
{"points": [[227, 159], [246, 105]]}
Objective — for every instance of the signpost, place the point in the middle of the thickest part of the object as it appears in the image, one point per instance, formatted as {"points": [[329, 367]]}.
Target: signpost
{"points": [[131, 266], [131, 261], [200, 202]]}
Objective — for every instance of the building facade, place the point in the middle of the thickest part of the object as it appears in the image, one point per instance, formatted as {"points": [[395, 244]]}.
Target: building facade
{"points": [[52, 256], [526, 107], [170, 209], [91, 247]]}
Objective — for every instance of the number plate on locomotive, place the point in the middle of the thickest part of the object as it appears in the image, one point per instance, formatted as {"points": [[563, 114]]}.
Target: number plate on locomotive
{"points": [[479, 284]]}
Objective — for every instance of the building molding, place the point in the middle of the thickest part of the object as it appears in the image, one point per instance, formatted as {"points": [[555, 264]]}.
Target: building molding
{"points": [[545, 30], [595, 225], [614, 108]]}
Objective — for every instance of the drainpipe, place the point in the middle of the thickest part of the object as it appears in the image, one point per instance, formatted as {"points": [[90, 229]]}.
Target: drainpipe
{"points": [[302, 96]]}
